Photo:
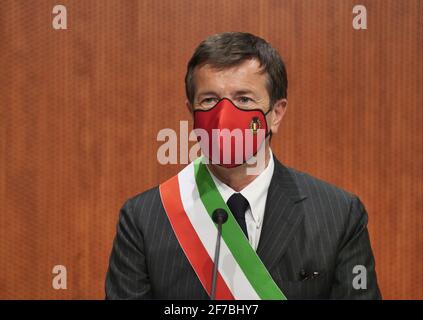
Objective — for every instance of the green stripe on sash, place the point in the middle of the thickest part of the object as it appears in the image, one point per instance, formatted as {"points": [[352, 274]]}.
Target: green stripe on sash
{"points": [[235, 239]]}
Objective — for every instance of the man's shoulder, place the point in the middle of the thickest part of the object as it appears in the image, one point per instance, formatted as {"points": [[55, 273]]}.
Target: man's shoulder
{"points": [[144, 199], [144, 206], [326, 200], [312, 184], [322, 193]]}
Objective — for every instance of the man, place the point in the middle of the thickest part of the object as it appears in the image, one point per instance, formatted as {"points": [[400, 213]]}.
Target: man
{"points": [[288, 234]]}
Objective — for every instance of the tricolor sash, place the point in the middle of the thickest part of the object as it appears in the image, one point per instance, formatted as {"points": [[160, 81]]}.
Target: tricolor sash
{"points": [[189, 199]]}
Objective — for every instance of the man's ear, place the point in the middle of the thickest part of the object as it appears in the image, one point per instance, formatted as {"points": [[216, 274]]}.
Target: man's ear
{"points": [[277, 114], [189, 106]]}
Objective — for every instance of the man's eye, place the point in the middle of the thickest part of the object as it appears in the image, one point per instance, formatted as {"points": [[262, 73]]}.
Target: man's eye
{"points": [[208, 102], [245, 99]]}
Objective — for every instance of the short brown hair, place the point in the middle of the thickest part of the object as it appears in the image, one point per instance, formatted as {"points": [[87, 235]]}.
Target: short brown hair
{"points": [[229, 49]]}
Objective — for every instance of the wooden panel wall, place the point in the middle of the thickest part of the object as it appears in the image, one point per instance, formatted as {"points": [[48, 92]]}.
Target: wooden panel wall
{"points": [[80, 110]]}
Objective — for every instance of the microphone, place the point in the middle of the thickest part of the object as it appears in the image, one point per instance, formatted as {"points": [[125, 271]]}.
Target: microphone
{"points": [[219, 216]]}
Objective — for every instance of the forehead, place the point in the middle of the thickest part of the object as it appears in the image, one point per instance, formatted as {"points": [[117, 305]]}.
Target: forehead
{"points": [[246, 75]]}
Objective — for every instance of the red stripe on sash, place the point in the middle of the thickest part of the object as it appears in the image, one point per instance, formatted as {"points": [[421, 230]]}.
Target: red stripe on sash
{"points": [[189, 240]]}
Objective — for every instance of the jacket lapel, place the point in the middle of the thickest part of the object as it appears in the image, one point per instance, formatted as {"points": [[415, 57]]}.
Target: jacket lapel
{"points": [[282, 216]]}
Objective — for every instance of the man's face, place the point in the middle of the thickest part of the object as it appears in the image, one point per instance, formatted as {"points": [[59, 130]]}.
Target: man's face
{"points": [[244, 84]]}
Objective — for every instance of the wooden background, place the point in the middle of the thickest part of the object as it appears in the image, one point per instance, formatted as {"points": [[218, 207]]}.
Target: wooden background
{"points": [[81, 109]]}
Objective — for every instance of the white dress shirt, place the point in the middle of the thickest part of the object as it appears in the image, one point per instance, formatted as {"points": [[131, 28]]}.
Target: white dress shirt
{"points": [[256, 193]]}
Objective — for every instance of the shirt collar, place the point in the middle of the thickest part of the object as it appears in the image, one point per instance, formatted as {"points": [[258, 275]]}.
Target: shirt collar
{"points": [[253, 192]]}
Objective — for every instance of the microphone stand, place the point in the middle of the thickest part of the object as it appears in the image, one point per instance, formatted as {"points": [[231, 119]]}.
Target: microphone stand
{"points": [[220, 216]]}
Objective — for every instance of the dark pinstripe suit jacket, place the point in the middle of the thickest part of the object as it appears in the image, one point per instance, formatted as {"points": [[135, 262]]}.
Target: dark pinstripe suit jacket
{"points": [[309, 225]]}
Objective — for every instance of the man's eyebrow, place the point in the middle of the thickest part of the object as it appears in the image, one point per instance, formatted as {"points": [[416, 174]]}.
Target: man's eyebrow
{"points": [[238, 92], [207, 93], [244, 91]]}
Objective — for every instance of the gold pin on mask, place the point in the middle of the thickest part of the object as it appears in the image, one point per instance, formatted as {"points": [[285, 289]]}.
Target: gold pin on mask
{"points": [[255, 125]]}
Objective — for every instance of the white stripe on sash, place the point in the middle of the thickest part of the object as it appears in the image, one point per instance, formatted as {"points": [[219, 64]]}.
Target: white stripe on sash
{"points": [[229, 269]]}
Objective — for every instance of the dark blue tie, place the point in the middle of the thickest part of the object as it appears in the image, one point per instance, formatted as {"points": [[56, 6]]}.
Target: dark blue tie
{"points": [[238, 206]]}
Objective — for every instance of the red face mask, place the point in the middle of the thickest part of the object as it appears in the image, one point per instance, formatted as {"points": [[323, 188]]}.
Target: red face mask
{"points": [[230, 136]]}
